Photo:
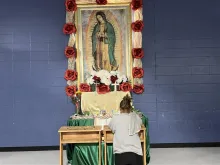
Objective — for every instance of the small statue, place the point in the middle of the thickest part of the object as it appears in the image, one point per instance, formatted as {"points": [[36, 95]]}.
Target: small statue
{"points": [[76, 99]]}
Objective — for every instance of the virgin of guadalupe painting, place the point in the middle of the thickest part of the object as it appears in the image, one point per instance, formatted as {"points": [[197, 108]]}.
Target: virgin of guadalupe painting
{"points": [[103, 44], [104, 40]]}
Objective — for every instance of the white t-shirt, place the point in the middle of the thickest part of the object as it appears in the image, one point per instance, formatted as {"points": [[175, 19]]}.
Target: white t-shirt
{"points": [[122, 142]]}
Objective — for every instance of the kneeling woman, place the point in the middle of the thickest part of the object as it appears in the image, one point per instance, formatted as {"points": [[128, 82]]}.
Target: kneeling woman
{"points": [[126, 142]]}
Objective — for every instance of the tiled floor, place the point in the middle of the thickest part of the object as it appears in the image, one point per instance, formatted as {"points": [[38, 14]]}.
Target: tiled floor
{"points": [[172, 156]]}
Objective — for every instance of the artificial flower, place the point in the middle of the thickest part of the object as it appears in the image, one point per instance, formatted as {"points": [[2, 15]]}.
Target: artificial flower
{"points": [[84, 87], [138, 89], [136, 4], [70, 75], [69, 28], [137, 26], [137, 53], [70, 52], [101, 2], [125, 87], [70, 5], [137, 72], [70, 90]]}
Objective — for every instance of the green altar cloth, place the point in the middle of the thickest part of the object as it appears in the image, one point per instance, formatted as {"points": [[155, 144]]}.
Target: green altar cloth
{"points": [[87, 154]]}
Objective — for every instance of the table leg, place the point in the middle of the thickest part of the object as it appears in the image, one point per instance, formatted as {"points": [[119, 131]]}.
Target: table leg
{"points": [[100, 149], [143, 154], [105, 148], [61, 151]]}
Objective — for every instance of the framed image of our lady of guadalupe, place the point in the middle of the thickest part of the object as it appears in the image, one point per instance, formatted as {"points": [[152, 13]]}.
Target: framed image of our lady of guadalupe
{"points": [[105, 45]]}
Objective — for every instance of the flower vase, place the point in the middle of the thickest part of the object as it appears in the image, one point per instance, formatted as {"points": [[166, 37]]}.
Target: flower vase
{"points": [[112, 88], [118, 88], [79, 110], [93, 87]]}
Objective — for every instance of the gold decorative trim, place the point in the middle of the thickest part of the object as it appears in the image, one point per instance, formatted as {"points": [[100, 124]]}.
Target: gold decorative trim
{"points": [[78, 50], [130, 42]]}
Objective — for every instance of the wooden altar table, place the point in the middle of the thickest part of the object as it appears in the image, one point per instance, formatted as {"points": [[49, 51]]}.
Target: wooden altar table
{"points": [[80, 134], [108, 138], [81, 154]]}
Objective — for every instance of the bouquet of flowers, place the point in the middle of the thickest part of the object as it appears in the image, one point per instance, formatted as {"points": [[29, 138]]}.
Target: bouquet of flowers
{"points": [[105, 81], [76, 99], [106, 77]]}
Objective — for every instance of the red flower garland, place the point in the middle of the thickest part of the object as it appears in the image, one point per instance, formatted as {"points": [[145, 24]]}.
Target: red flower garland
{"points": [[138, 89], [69, 28], [84, 87], [137, 26], [137, 72], [101, 2], [136, 4], [70, 90], [71, 5], [70, 75], [70, 52], [137, 53]]}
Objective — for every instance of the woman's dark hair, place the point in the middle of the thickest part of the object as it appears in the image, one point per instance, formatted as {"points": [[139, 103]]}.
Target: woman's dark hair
{"points": [[102, 14], [125, 104]]}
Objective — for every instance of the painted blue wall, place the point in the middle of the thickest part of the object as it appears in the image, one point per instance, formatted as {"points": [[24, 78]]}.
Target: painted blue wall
{"points": [[182, 71]]}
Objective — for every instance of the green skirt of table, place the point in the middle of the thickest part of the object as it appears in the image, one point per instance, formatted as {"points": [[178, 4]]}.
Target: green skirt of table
{"points": [[87, 154]]}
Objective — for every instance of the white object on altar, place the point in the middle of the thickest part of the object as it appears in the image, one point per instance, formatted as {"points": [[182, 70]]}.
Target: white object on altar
{"points": [[101, 122]]}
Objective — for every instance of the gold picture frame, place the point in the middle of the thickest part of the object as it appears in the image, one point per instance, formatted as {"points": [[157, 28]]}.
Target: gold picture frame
{"points": [[85, 20]]}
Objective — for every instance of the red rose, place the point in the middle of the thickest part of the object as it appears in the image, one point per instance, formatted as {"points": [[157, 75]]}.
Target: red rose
{"points": [[70, 5], [138, 89], [125, 87], [101, 2], [136, 4], [137, 72], [96, 79], [70, 52], [102, 89], [69, 28], [137, 26], [70, 90], [84, 87], [137, 53], [70, 75], [113, 79]]}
